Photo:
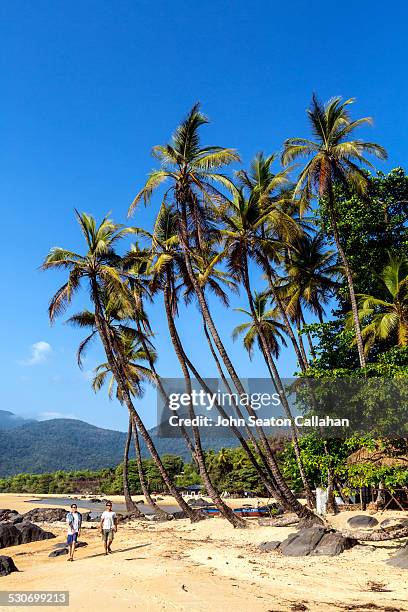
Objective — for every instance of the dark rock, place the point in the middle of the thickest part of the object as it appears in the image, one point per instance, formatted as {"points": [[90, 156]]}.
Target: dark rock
{"points": [[7, 515], [395, 522], [59, 552], [362, 521], [49, 515], [7, 565], [333, 544], [94, 517], [86, 516], [124, 517], [269, 546], [302, 543], [9, 535], [62, 549], [95, 500], [32, 533], [179, 515], [400, 560]]}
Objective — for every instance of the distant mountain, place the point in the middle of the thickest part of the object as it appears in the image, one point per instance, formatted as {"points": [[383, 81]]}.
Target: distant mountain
{"points": [[8, 420], [69, 444]]}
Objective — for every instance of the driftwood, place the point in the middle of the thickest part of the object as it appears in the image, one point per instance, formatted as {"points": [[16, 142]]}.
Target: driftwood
{"points": [[279, 522]]}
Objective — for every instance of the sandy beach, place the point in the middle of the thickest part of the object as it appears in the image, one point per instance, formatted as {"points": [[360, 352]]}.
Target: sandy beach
{"points": [[206, 566]]}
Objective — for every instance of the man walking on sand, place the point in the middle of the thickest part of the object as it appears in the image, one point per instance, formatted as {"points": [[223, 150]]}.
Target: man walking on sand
{"points": [[74, 520], [108, 526]]}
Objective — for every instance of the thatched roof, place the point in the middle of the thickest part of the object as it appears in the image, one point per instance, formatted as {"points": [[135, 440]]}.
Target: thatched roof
{"points": [[378, 457]]}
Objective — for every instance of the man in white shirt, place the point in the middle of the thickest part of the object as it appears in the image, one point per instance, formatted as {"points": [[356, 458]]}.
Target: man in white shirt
{"points": [[74, 520], [108, 526]]}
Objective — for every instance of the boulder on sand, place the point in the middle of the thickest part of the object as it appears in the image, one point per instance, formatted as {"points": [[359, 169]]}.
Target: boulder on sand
{"points": [[9, 535], [362, 521], [49, 515], [333, 544], [7, 565], [400, 560], [62, 549], [32, 533], [302, 543]]}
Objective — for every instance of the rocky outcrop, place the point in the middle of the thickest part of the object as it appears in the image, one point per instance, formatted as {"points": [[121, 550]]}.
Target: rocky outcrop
{"points": [[46, 515], [21, 533], [7, 565], [311, 541]]}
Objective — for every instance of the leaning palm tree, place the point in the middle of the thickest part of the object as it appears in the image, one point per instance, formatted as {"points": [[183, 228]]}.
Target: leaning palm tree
{"points": [[387, 320], [333, 159], [136, 373], [195, 186], [98, 268]]}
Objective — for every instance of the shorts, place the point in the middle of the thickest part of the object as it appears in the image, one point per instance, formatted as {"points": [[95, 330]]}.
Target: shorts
{"points": [[72, 537], [107, 535]]}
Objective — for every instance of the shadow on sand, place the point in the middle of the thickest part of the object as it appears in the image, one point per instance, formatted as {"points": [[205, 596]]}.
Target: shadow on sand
{"points": [[118, 550]]}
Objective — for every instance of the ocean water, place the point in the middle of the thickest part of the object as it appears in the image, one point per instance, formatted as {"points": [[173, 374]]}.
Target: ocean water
{"points": [[94, 507]]}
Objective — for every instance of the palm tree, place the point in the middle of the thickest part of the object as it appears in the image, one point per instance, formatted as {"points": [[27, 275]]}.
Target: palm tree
{"points": [[98, 268], [270, 326], [243, 221], [310, 279], [387, 320], [197, 196], [272, 194], [333, 159]]}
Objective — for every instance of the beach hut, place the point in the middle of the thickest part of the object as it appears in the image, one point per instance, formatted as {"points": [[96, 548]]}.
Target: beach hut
{"points": [[190, 491], [381, 496]]}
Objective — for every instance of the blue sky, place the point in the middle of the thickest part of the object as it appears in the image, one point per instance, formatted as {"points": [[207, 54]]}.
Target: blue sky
{"points": [[88, 88]]}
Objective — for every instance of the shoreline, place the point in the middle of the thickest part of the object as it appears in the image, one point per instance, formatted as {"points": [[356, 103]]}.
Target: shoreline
{"points": [[208, 565]]}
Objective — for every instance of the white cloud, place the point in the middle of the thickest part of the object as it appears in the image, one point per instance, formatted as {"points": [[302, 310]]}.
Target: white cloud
{"points": [[40, 352], [43, 416]]}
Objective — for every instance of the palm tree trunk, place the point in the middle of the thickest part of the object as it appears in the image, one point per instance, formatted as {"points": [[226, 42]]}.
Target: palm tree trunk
{"points": [[301, 345], [160, 387], [277, 381], [267, 482], [149, 500], [309, 339], [130, 504], [349, 276], [225, 510], [270, 485], [301, 357], [116, 370], [286, 497]]}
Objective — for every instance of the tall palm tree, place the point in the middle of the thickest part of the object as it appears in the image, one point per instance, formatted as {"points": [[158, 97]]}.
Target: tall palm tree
{"points": [[243, 220], [387, 320], [332, 159], [97, 267], [272, 194], [197, 196]]}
